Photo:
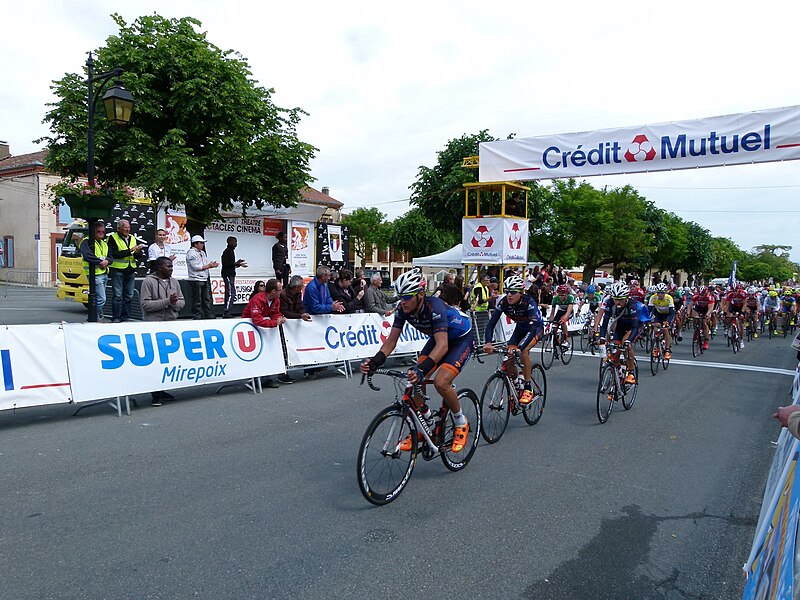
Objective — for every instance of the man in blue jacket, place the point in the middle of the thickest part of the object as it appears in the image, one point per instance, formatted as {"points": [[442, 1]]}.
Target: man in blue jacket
{"points": [[317, 297]]}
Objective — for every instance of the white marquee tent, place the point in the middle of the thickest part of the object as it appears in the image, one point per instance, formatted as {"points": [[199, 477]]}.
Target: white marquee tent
{"points": [[449, 258]]}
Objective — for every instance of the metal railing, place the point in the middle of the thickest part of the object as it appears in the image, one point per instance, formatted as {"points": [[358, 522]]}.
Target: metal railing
{"points": [[27, 278]]}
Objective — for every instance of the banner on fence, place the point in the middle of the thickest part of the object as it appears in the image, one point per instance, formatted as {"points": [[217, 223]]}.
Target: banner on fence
{"points": [[759, 136], [133, 358], [336, 338], [33, 366]]}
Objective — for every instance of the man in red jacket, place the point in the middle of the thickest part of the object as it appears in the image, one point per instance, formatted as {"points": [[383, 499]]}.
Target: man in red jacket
{"points": [[264, 309]]}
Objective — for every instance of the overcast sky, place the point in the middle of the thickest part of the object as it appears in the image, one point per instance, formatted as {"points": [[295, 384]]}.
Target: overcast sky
{"points": [[387, 85]]}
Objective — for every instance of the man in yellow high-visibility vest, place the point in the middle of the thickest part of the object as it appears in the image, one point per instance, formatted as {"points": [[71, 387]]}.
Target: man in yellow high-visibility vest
{"points": [[124, 252], [97, 253]]}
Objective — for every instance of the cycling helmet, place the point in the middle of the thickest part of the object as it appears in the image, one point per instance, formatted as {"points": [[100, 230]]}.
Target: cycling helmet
{"points": [[514, 283], [619, 290], [591, 289], [562, 289], [634, 283], [661, 288], [410, 282], [651, 289], [637, 293], [703, 290], [773, 294], [751, 290], [788, 293]]}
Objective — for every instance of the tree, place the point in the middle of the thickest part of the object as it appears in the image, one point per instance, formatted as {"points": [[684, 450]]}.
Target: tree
{"points": [[439, 191], [724, 252], [204, 134], [368, 228], [413, 232], [699, 250]]}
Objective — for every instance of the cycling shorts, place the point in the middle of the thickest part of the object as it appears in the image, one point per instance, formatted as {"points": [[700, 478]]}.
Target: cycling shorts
{"points": [[457, 355], [524, 335], [619, 332], [558, 313], [786, 309], [735, 309], [663, 318]]}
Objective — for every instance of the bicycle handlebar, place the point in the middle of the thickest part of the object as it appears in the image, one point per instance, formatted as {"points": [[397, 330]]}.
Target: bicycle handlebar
{"points": [[390, 372]]}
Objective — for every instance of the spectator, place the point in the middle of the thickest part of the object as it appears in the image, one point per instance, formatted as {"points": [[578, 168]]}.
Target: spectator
{"points": [[264, 309], [359, 283], [374, 299], [481, 294], [280, 259], [162, 300], [446, 280], [124, 252], [229, 266], [257, 287], [789, 416], [493, 292], [292, 308], [464, 305], [342, 291], [158, 248], [200, 279], [97, 254], [317, 298]]}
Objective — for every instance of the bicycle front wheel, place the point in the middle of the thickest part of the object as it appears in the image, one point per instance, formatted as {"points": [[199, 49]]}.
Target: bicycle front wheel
{"points": [[495, 407], [547, 351], [455, 461], [605, 393], [566, 352], [655, 358], [533, 412], [383, 470]]}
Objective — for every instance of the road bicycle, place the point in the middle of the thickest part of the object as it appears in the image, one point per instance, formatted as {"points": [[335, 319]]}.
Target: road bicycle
{"points": [[501, 394], [588, 339], [646, 337], [698, 338], [554, 345], [612, 386], [658, 353], [750, 326], [383, 469], [732, 336]]}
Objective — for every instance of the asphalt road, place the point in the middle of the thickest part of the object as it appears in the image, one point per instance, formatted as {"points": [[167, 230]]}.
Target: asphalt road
{"points": [[255, 496]]}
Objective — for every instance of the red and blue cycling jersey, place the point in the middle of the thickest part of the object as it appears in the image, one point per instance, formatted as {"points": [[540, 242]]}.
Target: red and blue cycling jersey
{"points": [[525, 314], [435, 316]]}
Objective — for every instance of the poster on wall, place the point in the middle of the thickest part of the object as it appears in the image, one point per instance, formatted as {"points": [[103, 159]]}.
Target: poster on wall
{"points": [[177, 242], [333, 245], [301, 249]]}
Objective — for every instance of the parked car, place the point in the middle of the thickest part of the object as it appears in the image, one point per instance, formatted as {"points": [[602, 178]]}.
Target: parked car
{"points": [[384, 273]]}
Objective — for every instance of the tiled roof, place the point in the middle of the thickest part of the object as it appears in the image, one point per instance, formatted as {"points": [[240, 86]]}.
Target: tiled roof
{"points": [[24, 162], [316, 197]]}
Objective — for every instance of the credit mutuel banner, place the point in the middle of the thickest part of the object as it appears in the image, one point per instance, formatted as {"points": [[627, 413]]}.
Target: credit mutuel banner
{"points": [[33, 366], [760, 136], [494, 241], [132, 358]]}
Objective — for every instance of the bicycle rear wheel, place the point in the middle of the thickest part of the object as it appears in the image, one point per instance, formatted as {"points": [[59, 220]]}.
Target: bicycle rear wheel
{"points": [[655, 358], [584, 339], [605, 393], [495, 407], [629, 397], [547, 351], [533, 412], [697, 345], [455, 461], [664, 359], [383, 470]]}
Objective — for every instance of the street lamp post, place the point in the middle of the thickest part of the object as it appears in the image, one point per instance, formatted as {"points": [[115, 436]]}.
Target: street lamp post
{"points": [[118, 108]]}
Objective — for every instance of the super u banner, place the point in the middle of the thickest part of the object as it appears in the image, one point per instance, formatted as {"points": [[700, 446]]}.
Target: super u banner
{"points": [[759, 136], [133, 358], [33, 366]]}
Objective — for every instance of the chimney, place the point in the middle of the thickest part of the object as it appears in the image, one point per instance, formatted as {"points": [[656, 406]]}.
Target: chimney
{"points": [[325, 190], [5, 150]]}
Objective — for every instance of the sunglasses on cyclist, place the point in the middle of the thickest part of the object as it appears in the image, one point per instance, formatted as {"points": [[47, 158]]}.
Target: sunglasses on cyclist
{"points": [[513, 292], [407, 297]]}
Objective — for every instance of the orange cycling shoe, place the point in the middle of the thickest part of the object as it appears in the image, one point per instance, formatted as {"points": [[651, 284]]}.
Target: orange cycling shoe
{"points": [[630, 379], [667, 354], [405, 445], [460, 438], [527, 396]]}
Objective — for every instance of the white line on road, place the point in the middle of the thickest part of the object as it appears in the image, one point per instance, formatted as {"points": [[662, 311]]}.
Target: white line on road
{"points": [[716, 365]]}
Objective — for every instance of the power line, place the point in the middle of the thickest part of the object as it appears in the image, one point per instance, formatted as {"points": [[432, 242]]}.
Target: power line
{"points": [[754, 187]]}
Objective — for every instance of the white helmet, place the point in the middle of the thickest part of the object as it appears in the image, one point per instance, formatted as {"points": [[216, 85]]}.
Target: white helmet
{"points": [[751, 290], [514, 283], [660, 288], [410, 282], [619, 290]]}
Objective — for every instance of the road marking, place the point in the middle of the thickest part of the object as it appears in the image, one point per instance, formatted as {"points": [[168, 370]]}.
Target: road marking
{"points": [[716, 365]]}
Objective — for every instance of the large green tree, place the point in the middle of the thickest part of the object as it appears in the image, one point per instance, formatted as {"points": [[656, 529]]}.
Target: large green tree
{"points": [[438, 191], [414, 233], [204, 133], [368, 228], [699, 250]]}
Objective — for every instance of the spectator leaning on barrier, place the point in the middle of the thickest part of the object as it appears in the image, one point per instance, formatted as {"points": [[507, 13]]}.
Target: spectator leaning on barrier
{"points": [[200, 279], [280, 259], [374, 299], [97, 253], [292, 300], [317, 298], [162, 300], [158, 248], [229, 266], [264, 309], [124, 252], [342, 291]]}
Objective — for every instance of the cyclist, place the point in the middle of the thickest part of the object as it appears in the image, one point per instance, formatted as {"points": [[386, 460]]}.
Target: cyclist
{"points": [[662, 308], [787, 309], [701, 306], [562, 310], [732, 306], [524, 311], [624, 312], [593, 296], [751, 309], [448, 349], [770, 307]]}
